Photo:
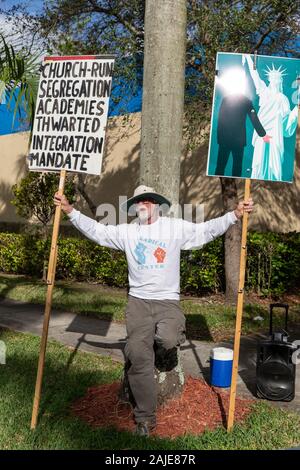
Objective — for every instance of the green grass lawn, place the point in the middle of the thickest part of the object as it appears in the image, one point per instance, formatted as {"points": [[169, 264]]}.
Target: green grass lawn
{"points": [[67, 377], [205, 321]]}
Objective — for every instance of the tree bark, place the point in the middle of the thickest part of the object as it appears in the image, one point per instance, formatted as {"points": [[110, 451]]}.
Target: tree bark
{"points": [[233, 238], [45, 234], [168, 375], [163, 95], [81, 188], [161, 141]]}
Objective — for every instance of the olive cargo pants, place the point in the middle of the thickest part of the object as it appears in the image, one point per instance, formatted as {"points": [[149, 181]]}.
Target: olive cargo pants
{"points": [[149, 321]]}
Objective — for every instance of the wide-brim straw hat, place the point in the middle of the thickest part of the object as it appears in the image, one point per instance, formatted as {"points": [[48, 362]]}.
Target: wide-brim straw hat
{"points": [[140, 193]]}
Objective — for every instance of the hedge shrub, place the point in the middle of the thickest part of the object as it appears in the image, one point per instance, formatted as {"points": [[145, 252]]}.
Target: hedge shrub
{"points": [[273, 262]]}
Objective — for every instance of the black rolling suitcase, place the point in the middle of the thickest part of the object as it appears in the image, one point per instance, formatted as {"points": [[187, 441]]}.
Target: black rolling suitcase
{"points": [[276, 365]]}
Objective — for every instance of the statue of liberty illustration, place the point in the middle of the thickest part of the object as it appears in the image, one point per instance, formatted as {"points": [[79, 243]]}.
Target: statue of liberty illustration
{"points": [[277, 118]]}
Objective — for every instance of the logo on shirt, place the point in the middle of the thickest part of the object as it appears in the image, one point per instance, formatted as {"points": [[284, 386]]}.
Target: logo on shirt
{"points": [[150, 254], [140, 253], [159, 254]]}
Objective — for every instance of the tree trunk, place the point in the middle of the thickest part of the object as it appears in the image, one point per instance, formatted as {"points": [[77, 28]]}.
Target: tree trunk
{"points": [[168, 374], [161, 139], [233, 238], [45, 233], [163, 95], [80, 185]]}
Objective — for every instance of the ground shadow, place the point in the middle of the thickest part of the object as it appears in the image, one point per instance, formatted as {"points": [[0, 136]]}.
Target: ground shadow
{"points": [[197, 328]]}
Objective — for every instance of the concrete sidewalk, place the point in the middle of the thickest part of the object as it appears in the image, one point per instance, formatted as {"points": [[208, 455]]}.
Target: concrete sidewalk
{"points": [[108, 338]]}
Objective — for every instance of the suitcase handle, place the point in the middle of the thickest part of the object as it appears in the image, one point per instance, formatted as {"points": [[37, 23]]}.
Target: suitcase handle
{"points": [[278, 305]]}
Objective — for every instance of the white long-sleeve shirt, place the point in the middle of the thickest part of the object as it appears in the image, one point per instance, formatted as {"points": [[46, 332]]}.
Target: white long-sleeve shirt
{"points": [[153, 251]]}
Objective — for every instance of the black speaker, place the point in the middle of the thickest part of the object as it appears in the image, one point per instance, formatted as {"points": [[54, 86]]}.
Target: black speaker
{"points": [[275, 370]]}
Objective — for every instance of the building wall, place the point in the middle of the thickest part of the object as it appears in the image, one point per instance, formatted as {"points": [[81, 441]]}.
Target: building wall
{"points": [[13, 150], [277, 204]]}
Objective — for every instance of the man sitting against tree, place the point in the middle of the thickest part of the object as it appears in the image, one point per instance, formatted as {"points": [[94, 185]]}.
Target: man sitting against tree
{"points": [[153, 315]]}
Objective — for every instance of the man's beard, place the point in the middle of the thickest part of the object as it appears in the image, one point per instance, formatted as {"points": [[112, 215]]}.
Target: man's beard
{"points": [[143, 215]]}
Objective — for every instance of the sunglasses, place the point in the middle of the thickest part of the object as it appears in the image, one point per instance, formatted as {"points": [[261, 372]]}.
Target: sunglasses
{"points": [[146, 201]]}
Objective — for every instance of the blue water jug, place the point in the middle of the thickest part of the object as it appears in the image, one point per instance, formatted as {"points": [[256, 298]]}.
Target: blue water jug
{"points": [[221, 360]]}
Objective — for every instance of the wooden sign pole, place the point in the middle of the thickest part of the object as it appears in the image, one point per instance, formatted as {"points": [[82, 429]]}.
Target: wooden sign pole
{"points": [[50, 282], [239, 312]]}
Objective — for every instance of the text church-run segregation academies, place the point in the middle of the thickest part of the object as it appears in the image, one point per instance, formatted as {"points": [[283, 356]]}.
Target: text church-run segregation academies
{"points": [[68, 113]]}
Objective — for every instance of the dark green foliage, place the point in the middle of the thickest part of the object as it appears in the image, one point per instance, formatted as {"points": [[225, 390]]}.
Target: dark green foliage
{"points": [[202, 271], [78, 259], [83, 260], [33, 195], [273, 263]]}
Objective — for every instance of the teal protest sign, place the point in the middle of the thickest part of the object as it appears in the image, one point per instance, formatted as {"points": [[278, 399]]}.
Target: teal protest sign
{"points": [[254, 117]]}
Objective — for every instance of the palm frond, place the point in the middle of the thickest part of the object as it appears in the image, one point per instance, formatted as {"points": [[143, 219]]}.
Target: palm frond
{"points": [[19, 75]]}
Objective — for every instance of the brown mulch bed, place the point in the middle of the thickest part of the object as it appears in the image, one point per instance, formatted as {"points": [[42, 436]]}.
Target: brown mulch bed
{"points": [[200, 407]]}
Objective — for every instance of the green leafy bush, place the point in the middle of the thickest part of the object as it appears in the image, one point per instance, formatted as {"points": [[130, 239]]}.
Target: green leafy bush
{"points": [[273, 262], [202, 271]]}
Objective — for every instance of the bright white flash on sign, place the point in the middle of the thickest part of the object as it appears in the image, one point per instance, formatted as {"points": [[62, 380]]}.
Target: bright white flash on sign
{"points": [[233, 81]]}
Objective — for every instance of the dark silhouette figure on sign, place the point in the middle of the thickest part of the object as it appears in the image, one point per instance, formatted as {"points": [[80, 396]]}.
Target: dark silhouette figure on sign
{"points": [[231, 131]]}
